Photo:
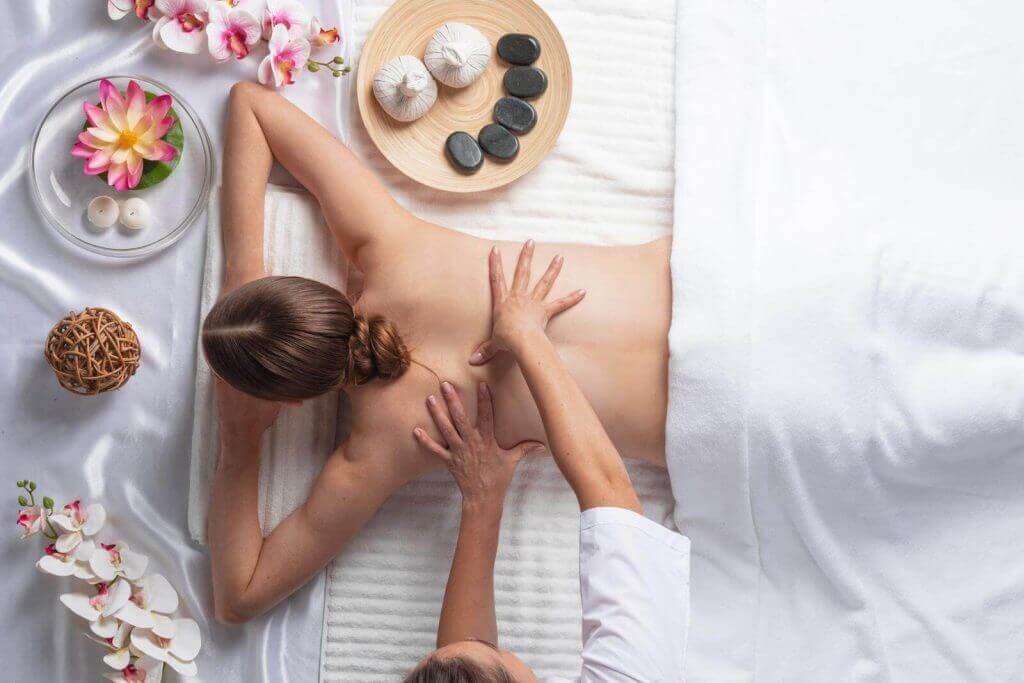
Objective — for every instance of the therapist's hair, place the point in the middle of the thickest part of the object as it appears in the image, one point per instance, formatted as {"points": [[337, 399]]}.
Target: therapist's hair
{"points": [[292, 338], [456, 670]]}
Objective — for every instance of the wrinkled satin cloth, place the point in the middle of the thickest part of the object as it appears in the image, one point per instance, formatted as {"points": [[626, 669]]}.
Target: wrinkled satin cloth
{"points": [[128, 449]]}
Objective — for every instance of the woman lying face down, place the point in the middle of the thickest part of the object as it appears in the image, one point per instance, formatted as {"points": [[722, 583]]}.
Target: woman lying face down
{"points": [[423, 310]]}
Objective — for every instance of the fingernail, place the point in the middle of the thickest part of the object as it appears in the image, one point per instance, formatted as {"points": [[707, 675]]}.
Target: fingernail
{"points": [[582, 292], [417, 431], [476, 357], [494, 250], [534, 448], [446, 387], [431, 400], [483, 387], [529, 243], [559, 259]]}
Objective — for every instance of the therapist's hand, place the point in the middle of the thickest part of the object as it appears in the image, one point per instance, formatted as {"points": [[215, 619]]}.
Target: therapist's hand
{"points": [[482, 469], [518, 312]]}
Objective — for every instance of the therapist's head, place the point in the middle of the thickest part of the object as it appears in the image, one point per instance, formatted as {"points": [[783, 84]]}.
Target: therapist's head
{"points": [[471, 661]]}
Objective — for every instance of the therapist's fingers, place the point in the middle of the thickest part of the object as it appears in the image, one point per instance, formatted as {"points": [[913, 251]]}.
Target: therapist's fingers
{"points": [[456, 409], [544, 285], [444, 425], [497, 278], [565, 303], [485, 412], [431, 445], [521, 280], [524, 448], [483, 353]]}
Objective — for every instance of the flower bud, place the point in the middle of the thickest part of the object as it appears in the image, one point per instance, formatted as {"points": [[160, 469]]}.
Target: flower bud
{"points": [[22, 500], [312, 66], [338, 60], [48, 503]]}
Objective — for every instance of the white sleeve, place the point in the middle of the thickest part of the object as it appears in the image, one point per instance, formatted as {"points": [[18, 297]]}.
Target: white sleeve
{"points": [[635, 589]]}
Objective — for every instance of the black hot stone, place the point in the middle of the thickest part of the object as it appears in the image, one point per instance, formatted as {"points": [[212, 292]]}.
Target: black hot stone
{"points": [[525, 81], [517, 115], [464, 152], [499, 142], [519, 48]]}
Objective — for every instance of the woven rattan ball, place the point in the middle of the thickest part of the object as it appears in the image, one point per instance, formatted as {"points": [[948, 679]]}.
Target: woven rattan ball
{"points": [[93, 351]]}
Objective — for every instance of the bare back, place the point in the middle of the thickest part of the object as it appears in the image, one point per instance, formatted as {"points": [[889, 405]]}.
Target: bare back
{"points": [[434, 286]]}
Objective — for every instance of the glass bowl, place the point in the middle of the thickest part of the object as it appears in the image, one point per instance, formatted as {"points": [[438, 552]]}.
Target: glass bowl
{"points": [[62, 191]]}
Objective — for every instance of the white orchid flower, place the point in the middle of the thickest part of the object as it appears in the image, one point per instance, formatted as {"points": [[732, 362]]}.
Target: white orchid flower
{"points": [[77, 523], [231, 32], [119, 653], [181, 25], [144, 670], [73, 564], [112, 560], [288, 13], [31, 519], [152, 598], [118, 9], [109, 598], [175, 642]]}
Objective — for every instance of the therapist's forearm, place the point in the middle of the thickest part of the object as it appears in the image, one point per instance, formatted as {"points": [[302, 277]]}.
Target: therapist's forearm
{"points": [[468, 609], [586, 456]]}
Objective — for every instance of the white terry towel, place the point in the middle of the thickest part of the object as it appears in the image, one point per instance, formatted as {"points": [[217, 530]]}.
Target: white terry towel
{"points": [[846, 431]]}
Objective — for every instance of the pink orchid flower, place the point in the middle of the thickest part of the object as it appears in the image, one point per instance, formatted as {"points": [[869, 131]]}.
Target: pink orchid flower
{"points": [[181, 25], [175, 642], [231, 32], [74, 563], [320, 36], [31, 520], [76, 521], [288, 13], [124, 130], [287, 56]]}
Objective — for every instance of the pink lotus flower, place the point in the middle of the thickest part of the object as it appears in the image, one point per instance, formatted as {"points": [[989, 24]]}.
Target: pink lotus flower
{"points": [[320, 36], [288, 13], [287, 56], [124, 130], [180, 28], [231, 32]]}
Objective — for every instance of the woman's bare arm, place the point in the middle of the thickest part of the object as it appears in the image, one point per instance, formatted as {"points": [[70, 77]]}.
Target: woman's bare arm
{"points": [[263, 126], [251, 573]]}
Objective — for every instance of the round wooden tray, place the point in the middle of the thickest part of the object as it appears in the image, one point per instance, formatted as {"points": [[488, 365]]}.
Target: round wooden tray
{"points": [[417, 148]]}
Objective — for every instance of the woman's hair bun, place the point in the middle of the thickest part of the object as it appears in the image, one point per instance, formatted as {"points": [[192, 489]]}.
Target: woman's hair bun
{"points": [[376, 351]]}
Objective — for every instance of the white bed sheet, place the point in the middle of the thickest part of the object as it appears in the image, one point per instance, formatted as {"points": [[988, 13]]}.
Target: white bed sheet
{"points": [[128, 449], [847, 433]]}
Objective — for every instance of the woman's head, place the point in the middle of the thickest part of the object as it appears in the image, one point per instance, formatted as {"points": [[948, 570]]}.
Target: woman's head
{"points": [[291, 338], [471, 661]]}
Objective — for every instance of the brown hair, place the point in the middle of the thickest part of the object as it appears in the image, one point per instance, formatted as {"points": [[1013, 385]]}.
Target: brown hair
{"points": [[456, 670], [291, 338]]}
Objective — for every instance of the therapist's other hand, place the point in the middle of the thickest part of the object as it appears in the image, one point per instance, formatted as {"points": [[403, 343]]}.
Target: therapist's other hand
{"points": [[518, 312], [482, 469], [242, 415]]}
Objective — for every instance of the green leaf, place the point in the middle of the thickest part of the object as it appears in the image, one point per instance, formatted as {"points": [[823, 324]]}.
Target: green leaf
{"points": [[22, 500]]}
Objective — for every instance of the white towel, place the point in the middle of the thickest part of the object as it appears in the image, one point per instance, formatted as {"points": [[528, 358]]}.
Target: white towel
{"points": [[846, 429]]}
